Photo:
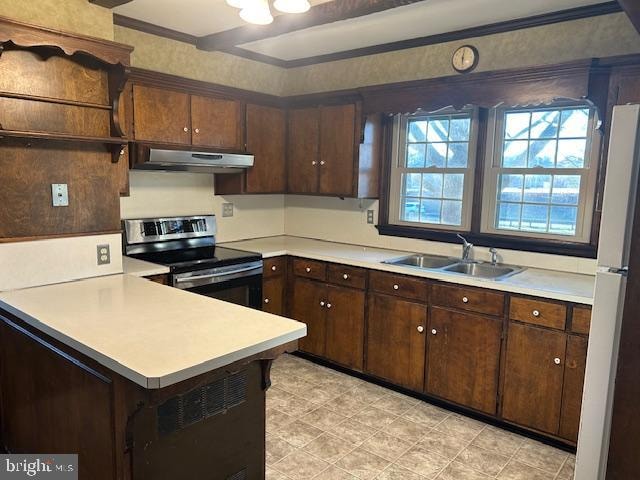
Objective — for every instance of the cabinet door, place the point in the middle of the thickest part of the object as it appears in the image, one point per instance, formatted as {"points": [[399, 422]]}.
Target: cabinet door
{"points": [[395, 344], [302, 150], [272, 295], [337, 145], [161, 115], [573, 383], [345, 326], [216, 122], [464, 358], [308, 305], [266, 134], [534, 370]]}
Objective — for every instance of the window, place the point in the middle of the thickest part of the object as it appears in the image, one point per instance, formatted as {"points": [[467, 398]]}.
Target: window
{"points": [[432, 171], [540, 181]]}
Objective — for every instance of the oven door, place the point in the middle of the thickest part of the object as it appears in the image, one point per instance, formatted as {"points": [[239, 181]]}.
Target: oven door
{"points": [[240, 284]]}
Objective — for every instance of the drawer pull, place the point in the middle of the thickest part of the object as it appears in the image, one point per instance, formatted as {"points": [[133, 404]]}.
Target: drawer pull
{"points": [[322, 162], [197, 130], [556, 361], [308, 269], [420, 329], [536, 313], [328, 305], [266, 300], [434, 331], [345, 276], [396, 287], [465, 300], [274, 268], [186, 129], [322, 304], [314, 163]]}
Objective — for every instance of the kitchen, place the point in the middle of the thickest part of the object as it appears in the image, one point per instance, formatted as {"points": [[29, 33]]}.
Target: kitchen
{"points": [[435, 218]]}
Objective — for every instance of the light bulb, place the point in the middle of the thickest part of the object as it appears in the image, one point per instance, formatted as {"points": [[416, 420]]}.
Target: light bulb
{"points": [[257, 12], [292, 6], [237, 3]]}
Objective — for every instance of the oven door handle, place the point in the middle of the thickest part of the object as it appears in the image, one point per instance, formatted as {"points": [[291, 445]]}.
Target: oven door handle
{"points": [[248, 271]]}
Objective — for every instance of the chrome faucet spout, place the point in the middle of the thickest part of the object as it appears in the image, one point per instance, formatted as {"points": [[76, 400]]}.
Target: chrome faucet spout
{"points": [[466, 248]]}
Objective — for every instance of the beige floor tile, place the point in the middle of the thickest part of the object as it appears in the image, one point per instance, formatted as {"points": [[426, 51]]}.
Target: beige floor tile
{"points": [[346, 381], [294, 385], [318, 376], [423, 462], [443, 444], [353, 431], [483, 460], [329, 448], [393, 404], [272, 474], [370, 392], [519, 471], [346, 404], [334, 473], [319, 394], [362, 464], [374, 417], [498, 441], [277, 449], [541, 456], [406, 430], [300, 466], [395, 472], [299, 433], [426, 414], [386, 446], [323, 418], [276, 420], [290, 404], [461, 427], [458, 471], [568, 469]]}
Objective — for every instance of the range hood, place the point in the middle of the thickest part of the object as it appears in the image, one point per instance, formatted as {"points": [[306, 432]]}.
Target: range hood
{"points": [[149, 158]]}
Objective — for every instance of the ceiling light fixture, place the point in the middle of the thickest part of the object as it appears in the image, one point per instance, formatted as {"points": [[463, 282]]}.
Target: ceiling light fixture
{"points": [[292, 6], [256, 12]]}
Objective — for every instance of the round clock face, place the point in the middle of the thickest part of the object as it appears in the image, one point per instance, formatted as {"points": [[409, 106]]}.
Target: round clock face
{"points": [[465, 58]]}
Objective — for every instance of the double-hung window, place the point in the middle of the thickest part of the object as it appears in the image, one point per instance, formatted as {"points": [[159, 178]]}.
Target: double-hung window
{"points": [[540, 172], [432, 170]]}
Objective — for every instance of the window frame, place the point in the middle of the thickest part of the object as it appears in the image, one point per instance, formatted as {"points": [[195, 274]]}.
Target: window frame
{"points": [[398, 156], [493, 169]]}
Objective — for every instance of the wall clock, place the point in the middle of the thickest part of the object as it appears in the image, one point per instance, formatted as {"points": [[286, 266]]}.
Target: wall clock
{"points": [[465, 59]]}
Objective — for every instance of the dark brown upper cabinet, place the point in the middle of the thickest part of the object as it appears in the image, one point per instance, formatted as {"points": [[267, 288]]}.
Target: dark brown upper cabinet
{"points": [[216, 123], [161, 115], [332, 150]]}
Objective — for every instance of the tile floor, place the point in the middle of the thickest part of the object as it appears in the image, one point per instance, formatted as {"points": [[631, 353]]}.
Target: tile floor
{"points": [[325, 425]]}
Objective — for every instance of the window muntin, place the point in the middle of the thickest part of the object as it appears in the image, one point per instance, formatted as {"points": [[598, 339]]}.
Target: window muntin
{"points": [[540, 181], [432, 174]]}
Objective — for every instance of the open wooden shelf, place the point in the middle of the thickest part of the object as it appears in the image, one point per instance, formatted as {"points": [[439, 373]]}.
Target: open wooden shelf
{"points": [[59, 101]]}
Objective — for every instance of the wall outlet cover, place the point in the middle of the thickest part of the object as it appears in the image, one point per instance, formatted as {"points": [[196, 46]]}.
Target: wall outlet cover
{"points": [[60, 194], [104, 254], [370, 214], [227, 209]]}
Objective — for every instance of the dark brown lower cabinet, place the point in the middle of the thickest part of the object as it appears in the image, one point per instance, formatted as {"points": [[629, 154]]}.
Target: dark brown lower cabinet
{"points": [[463, 363], [533, 378], [308, 306], [396, 340], [575, 364], [345, 326], [273, 295]]}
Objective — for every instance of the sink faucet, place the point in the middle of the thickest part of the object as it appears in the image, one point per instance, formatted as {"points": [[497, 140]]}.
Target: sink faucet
{"points": [[494, 256], [466, 248]]}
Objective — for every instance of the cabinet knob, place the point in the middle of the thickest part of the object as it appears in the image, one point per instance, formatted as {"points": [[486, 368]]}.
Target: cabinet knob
{"points": [[396, 287], [266, 300], [197, 130], [556, 361], [186, 129], [322, 162], [465, 300], [328, 305], [322, 304], [122, 152], [345, 276], [536, 313], [434, 331], [308, 269], [420, 329], [314, 162], [273, 268]]}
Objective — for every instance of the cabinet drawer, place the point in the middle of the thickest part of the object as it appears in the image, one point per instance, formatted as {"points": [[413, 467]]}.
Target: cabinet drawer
{"points": [[470, 299], [309, 268], [581, 322], [537, 312], [347, 276], [274, 267], [399, 285]]}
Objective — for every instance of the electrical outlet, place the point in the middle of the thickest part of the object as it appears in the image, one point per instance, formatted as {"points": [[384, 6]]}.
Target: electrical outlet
{"points": [[60, 194], [104, 254], [227, 209], [370, 216]]}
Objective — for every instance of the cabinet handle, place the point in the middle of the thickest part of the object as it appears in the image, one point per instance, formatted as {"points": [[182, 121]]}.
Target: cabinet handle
{"points": [[266, 300], [420, 329], [186, 129], [322, 162], [434, 331], [314, 163], [197, 130], [322, 304], [308, 269], [396, 287], [274, 268], [328, 305], [556, 361], [345, 276], [536, 313], [465, 300]]}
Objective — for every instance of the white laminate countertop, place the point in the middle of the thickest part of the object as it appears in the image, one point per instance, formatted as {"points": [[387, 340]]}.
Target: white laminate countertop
{"points": [[551, 284], [140, 268], [151, 334]]}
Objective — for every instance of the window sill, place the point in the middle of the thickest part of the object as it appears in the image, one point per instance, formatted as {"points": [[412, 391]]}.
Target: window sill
{"points": [[554, 247]]}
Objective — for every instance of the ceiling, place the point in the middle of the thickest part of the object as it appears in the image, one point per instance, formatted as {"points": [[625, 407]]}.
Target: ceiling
{"points": [[422, 19]]}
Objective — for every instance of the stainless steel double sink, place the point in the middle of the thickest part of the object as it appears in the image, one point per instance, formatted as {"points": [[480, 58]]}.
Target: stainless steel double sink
{"points": [[457, 267]]}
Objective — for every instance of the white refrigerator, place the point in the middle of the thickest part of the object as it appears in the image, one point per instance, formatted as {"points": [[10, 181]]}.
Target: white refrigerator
{"points": [[611, 280]]}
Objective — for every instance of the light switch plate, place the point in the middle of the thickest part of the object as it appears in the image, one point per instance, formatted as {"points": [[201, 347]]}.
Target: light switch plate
{"points": [[104, 254], [227, 209], [370, 216], [60, 194]]}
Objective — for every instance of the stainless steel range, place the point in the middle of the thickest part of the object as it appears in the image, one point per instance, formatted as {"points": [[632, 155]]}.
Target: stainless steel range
{"points": [[187, 245]]}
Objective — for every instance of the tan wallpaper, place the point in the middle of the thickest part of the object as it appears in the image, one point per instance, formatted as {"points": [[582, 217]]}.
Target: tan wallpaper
{"points": [[178, 58], [592, 37], [77, 16]]}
